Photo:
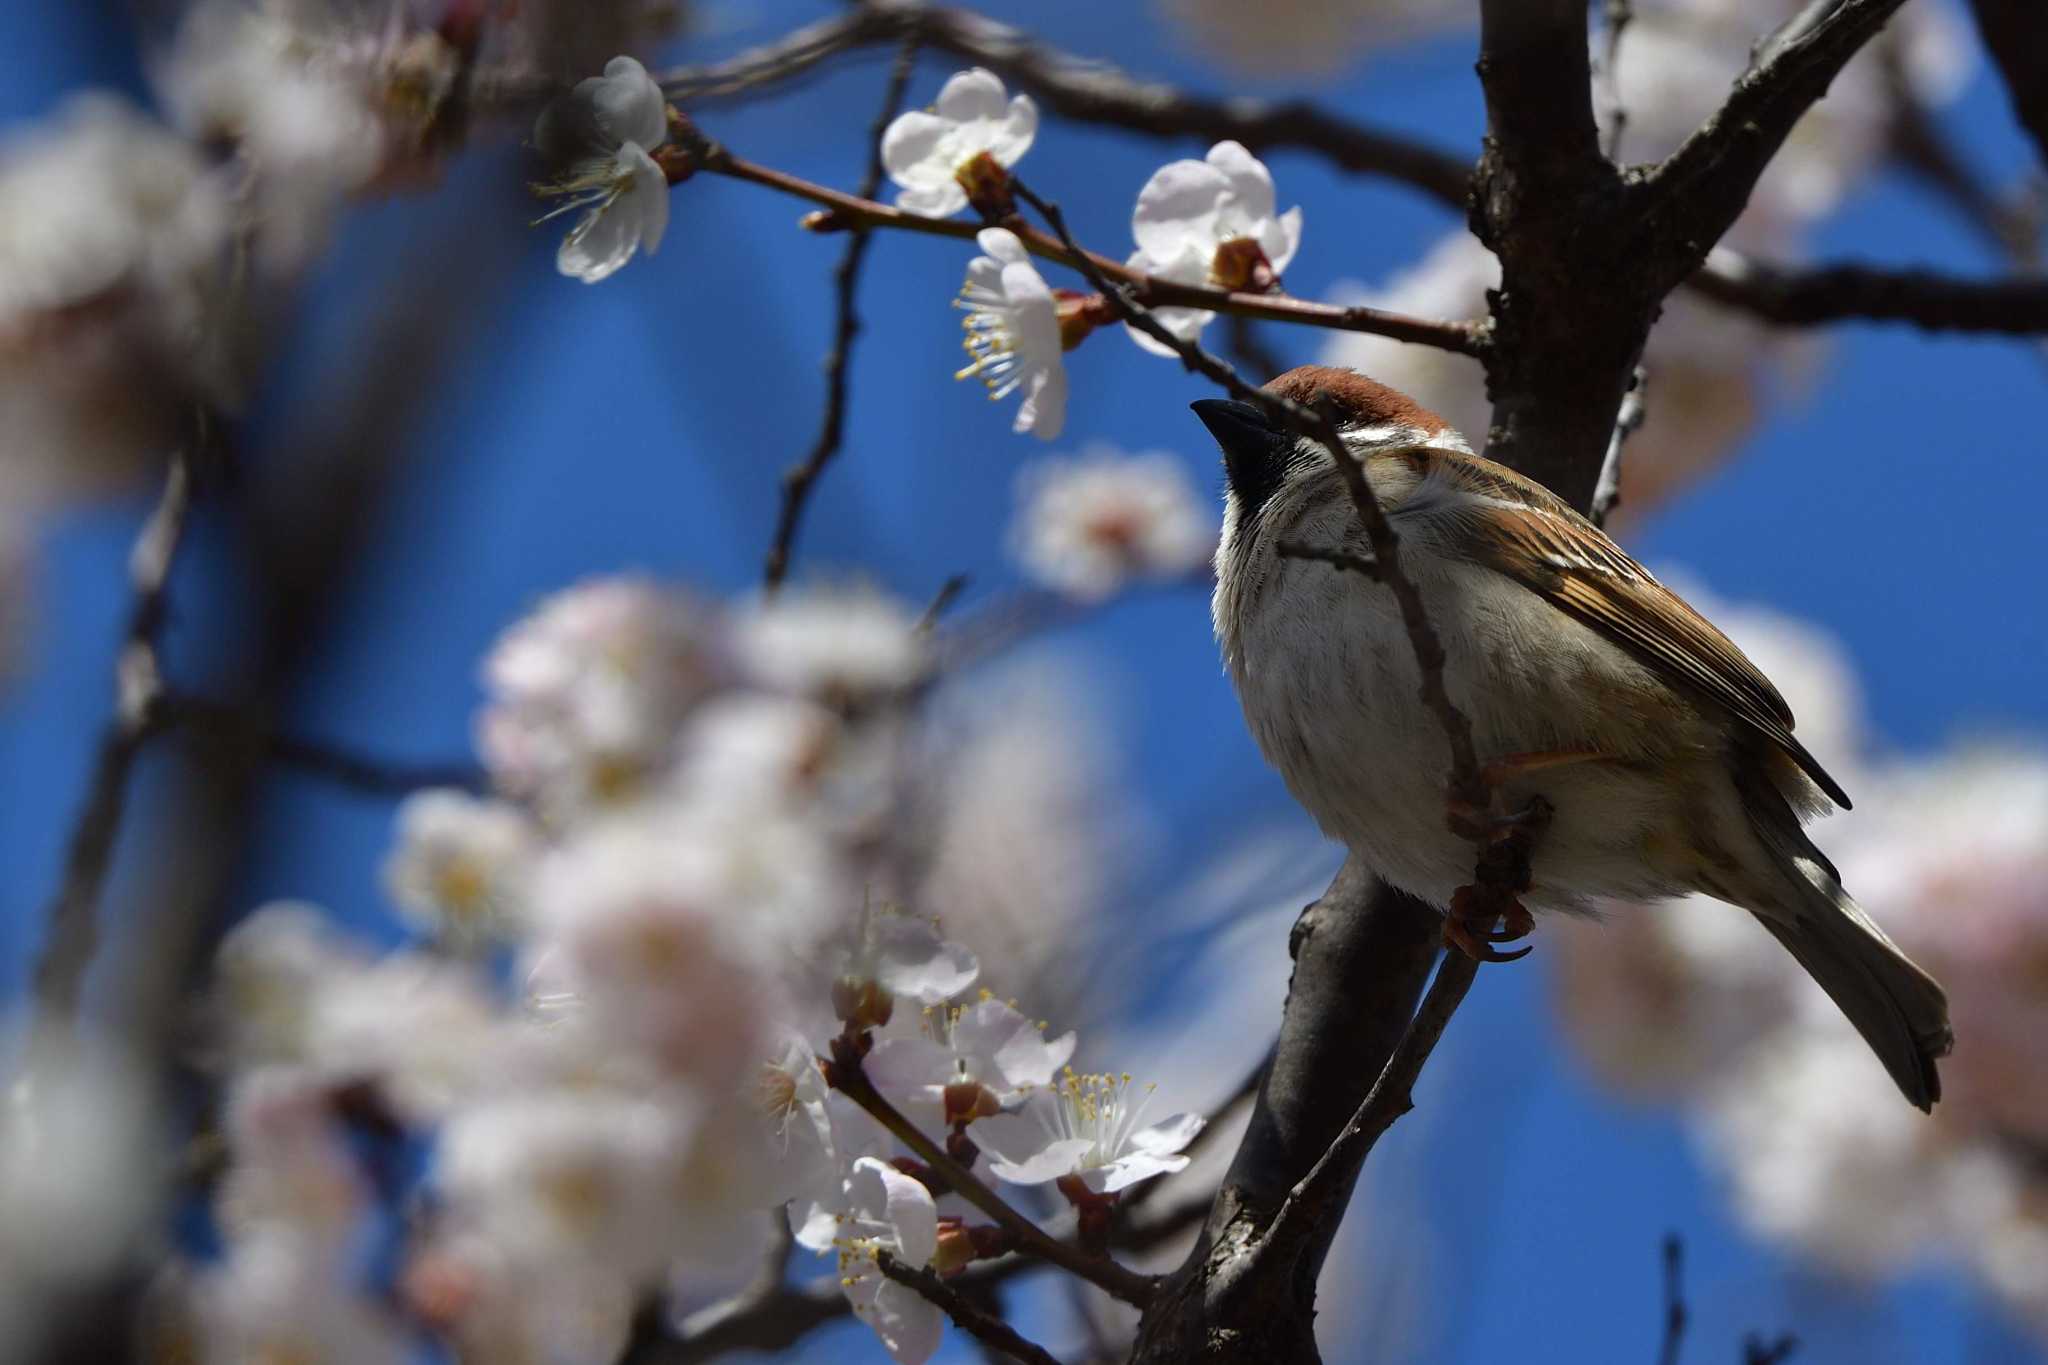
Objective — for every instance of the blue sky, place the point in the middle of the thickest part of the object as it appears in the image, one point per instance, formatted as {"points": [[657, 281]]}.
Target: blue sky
{"points": [[642, 425]]}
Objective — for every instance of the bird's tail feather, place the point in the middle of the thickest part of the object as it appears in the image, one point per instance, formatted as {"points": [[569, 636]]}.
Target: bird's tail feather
{"points": [[1898, 1008]]}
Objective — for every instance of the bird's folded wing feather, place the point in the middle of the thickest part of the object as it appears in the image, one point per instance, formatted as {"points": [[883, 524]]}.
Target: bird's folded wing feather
{"points": [[1525, 532]]}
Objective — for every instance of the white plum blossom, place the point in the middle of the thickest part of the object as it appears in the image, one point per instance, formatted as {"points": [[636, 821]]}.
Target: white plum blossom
{"points": [[423, 1029], [276, 90], [1091, 523], [927, 152], [460, 868], [569, 1175], [1086, 1127], [887, 955], [115, 293], [889, 1214], [588, 692], [1823, 1157], [604, 132], [1013, 333], [973, 1061], [80, 1168], [292, 1175], [268, 975], [838, 646], [1210, 222], [271, 1300], [675, 928], [492, 1305]]}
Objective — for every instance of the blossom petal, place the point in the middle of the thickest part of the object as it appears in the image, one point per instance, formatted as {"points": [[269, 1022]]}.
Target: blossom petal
{"points": [[1043, 412], [1251, 184], [914, 1216], [1062, 1156], [646, 199], [1128, 1170], [908, 1326], [1002, 244], [910, 147], [1177, 207], [970, 95], [1280, 238], [1014, 136], [599, 244], [1028, 1059], [1168, 1135], [903, 1067], [935, 201], [626, 103]]}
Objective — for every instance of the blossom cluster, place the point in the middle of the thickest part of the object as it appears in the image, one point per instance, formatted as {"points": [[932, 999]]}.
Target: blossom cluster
{"points": [[608, 1056], [1693, 1005]]}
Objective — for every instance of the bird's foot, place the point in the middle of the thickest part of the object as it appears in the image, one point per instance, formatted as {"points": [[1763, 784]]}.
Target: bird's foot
{"points": [[1481, 916], [1506, 845]]}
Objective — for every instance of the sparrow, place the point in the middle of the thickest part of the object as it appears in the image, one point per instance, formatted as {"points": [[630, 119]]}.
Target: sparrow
{"points": [[1664, 761]]}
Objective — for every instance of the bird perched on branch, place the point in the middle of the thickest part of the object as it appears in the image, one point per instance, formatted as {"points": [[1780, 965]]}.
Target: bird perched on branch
{"points": [[1631, 749]]}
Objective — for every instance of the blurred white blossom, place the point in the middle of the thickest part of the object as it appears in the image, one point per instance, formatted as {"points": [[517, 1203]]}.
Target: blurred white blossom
{"points": [[588, 692], [1089, 524], [268, 974], [928, 152], [494, 1306], [677, 931], [1013, 333], [1212, 223], [114, 296], [838, 646], [270, 1300], [603, 132], [1308, 37], [279, 91], [80, 1171], [460, 869]]}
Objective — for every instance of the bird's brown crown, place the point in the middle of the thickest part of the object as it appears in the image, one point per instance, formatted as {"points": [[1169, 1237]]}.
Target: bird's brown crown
{"points": [[1360, 402]]}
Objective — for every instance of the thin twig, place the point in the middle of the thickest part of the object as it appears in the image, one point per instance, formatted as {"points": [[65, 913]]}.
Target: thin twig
{"points": [[800, 479], [1627, 422], [332, 763], [1758, 1350], [1104, 1274], [2013, 306], [941, 603], [852, 212], [1674, 1300], [1466, 784], [1342, 559], [984, 1327], [1086, 91], [74, 912], [1248, 348]]}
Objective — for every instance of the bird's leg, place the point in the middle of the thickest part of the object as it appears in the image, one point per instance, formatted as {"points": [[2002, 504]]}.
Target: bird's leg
{"points": [[1507, 845]]}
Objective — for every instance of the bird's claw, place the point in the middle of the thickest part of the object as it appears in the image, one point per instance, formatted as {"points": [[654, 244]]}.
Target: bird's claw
{"points": [[1480, 917]]}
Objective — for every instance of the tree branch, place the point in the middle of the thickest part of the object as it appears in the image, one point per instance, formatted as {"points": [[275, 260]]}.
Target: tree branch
{"points": [[1698, 191], [800, 479], [847, 211], [847, 1076], [1852, 293], [2015, 33], [1085, 91], [984, 1327], [74, 912]]}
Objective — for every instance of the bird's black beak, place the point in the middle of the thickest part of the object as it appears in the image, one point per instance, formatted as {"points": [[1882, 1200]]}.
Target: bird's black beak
{"points": [[1255, 452]]}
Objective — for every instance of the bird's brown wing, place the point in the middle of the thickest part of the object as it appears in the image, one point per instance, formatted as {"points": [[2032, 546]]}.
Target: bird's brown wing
{"points": [[1533, 537]]}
